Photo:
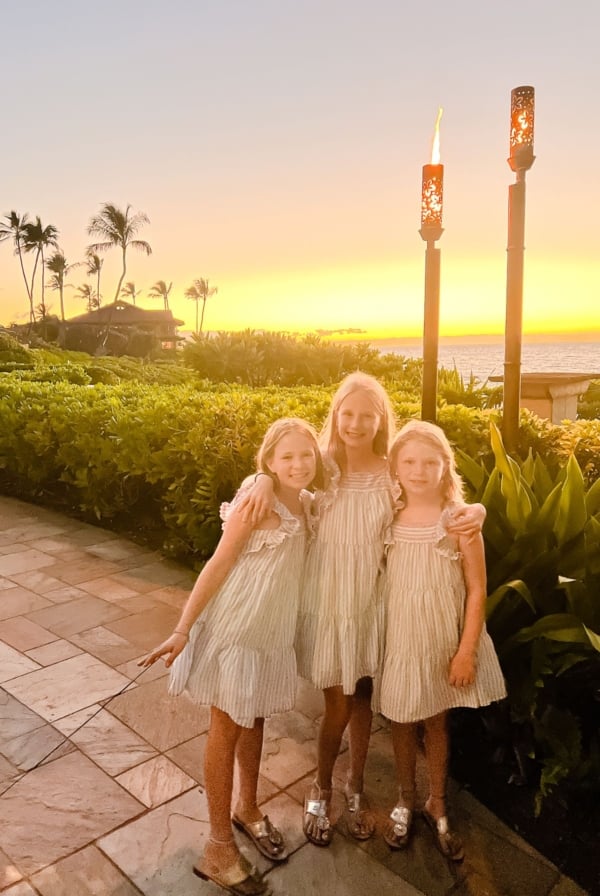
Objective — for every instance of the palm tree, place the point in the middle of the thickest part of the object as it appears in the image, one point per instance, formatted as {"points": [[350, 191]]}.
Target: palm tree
{"points": [[15, 229], [57, 265], [36, 238], [130, 292], [93, 267], [118, 228], [160, 290], [86, 292], [200, 290]]}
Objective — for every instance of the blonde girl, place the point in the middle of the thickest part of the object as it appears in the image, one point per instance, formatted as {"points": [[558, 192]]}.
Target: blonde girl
{"points": [[438, 654], [232, 649]]}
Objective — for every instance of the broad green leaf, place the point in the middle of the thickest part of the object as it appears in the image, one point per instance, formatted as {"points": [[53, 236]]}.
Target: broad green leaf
{"points": [[473, 472], [514, 488], [572, 514], [594, 639], [592, 499], [515, 585]]}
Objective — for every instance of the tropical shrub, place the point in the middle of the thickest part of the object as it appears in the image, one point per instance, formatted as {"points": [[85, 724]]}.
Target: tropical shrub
{"points": [[542, 537]]}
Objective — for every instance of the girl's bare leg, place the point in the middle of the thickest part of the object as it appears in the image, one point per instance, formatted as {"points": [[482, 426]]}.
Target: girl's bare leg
{"points": [[404, 742], [398, 825], [223, 735], [361, 822], [436, 755], [338, 711], [338, 707], [248, 754]]}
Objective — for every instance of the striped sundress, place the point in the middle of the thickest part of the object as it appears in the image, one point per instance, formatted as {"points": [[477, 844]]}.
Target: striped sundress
{"points": [[339, 636], [424, 592], [240, 655]]}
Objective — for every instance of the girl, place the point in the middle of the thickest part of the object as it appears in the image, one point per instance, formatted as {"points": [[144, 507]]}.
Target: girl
{"points": [[338, 640], [438, 654], [238, 657]]}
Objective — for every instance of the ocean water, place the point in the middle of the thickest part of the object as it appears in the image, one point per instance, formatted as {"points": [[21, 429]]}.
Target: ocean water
{"points": [[484, 360]]}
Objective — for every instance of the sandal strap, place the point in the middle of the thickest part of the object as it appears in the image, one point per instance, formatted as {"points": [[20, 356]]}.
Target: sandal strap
{"points": [[401, 815]]}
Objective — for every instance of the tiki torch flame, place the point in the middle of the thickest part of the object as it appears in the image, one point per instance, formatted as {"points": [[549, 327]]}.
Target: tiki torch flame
{"points": [[435, 146]]}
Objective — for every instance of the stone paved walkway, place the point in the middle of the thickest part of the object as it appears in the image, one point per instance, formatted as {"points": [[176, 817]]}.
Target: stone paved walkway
{"points": [[103, 794]]}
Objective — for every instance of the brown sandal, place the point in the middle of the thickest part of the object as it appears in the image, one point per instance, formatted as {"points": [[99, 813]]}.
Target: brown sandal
{"points": [[447, 841], [241, 878], [265, 836]]}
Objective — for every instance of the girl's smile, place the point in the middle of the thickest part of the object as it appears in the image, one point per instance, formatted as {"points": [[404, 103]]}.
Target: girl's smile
{"points": [[293, 461], [357, 423]]}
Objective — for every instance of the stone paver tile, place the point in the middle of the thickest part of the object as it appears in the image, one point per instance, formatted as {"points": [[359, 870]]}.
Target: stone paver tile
{"points": [[9, 873], [157, 851], [567, 887], [147, 630], [160, 573], [87, 873], [31, 748], [119, 549], [289, 750], [53, 653], [59, 545], [13, 547], [20, 601], [82, 571], [106, 645], [76, 616], [156, 781], [66, 687], [108, 588], [24, 561], [82, 535], [111, 744], [37, 580], [68, 725], [34, 527], [150, 673], [339, 870], [162, 720], [6, 584], [64, 594], [173, 595], [9, 774], [45, 817], [20, 889], [23, 634], [15, 719], [13, 663], [190, 757]]}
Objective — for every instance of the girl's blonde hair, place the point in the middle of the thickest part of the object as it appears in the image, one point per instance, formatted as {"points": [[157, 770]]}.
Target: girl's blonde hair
{"points": [[329, 438], [273, 436], [452, 484]]}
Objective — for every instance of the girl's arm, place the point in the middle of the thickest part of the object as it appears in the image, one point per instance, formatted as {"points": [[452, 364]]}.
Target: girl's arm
{"points": [[463, 665], [235, 535], [467, 519], [256, 499]]}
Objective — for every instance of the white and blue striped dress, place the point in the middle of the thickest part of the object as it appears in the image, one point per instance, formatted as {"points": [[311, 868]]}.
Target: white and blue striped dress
{"points": [[340, 624], [424, 592], [240, 655]]}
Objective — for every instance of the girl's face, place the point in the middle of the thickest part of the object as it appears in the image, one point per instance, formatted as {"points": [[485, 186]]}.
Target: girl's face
{"points": [[293, 461], [420, 469], [357, 420]]}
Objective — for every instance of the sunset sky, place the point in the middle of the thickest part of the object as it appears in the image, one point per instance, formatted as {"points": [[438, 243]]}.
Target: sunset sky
{"points": [[277, 147]]}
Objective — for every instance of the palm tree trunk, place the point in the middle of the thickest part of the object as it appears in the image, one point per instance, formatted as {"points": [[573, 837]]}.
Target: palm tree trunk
{"points": [[31, 308], [196, 316], [202, 318], [98, 287], [62, 303], [122, 277]]}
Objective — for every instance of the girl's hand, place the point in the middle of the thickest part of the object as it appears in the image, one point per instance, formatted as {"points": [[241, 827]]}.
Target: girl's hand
{"points": [[467, 520], [257, 502], [462, 669], [170, 648]]}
